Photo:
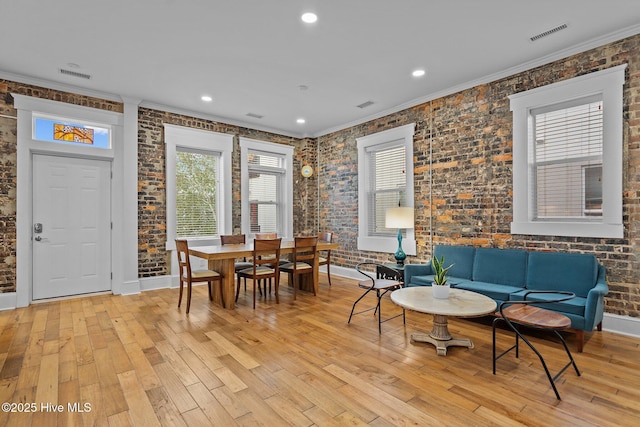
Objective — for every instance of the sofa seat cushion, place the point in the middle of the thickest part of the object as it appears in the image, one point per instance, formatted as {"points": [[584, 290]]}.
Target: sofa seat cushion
{"points": [[428, 280], [492, 290], [500, 266], [574, 305]]}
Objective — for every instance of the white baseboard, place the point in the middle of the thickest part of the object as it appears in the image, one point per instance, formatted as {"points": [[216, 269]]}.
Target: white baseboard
{"points": [[8, 300], [158, 282], [624, 325], [130, 288]]}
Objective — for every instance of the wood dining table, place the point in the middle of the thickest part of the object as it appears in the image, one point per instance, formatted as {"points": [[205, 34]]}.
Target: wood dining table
{"points": [[221, 258]]}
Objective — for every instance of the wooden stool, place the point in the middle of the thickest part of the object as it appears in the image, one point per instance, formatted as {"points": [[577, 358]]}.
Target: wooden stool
{"points": [[523, 313]]}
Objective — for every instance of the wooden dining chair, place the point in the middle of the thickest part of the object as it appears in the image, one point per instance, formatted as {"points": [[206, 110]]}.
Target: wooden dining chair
{"points": [[324, 257], [262, 265], [237, 239], [282, 261], [189, 276], [303, 261]]}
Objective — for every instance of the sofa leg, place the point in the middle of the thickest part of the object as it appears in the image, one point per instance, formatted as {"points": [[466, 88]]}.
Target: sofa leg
{"points": [[599, 327], [580, 339]]}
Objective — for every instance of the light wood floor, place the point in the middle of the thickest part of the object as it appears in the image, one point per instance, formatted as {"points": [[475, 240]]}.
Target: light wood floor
{"points": [[139, 360]]}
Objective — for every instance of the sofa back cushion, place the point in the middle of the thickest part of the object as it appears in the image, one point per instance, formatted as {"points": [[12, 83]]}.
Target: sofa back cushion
{"points": [[460, 256], [500, 266], [576, 273]]}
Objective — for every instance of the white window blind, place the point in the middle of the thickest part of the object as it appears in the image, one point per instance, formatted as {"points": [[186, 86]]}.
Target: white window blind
{"points": [[567, 160], [197, 195], [266, 171], [387, 185]]}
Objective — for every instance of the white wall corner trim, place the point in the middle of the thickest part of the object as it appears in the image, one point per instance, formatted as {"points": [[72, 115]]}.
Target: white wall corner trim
{"points": [[8, 301]]}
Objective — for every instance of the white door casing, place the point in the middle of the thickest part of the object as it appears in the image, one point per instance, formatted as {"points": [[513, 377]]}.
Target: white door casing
{"points": [[72, 204]]}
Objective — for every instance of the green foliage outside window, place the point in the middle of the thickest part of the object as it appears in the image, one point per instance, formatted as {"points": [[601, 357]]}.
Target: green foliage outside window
{"points": [[196, 194]]}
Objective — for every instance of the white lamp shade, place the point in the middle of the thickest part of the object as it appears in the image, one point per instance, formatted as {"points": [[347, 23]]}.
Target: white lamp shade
{"points": [[400, 217]]}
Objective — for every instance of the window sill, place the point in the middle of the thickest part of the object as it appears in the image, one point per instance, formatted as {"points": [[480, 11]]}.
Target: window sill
{"points": [[569, 229], [386, 244]]}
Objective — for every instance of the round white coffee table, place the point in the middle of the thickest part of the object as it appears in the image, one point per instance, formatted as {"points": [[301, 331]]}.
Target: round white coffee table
{"points": [[460, 303]]}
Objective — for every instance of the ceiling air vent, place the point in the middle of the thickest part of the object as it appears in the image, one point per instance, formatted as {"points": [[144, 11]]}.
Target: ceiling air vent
{"points": [[365, 104], [255, 116], [74, 74], [548, 32]]}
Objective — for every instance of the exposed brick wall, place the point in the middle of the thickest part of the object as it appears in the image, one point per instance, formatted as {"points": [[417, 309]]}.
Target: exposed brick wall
{"points": [[8, 160], [471, 166], [152, 257]]}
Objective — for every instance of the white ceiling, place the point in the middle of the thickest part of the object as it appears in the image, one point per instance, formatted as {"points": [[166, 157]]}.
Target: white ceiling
{"points": [[253, 56]]}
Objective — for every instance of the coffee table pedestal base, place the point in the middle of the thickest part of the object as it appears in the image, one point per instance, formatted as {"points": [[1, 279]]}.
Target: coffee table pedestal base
{"points": [[440, 336]]}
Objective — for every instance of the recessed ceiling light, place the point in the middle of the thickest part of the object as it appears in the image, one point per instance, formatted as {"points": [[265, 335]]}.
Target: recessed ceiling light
{"points": [[309, 17], [418, 73], [301, 121], [206, 98]]}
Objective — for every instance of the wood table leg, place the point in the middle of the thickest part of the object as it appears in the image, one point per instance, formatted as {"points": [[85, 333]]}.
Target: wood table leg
{"points": [[227, 269], [440, 336]]}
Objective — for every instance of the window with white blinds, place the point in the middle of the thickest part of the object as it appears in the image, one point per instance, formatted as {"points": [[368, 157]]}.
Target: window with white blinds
{"points": [[197, 181], [265, 172], [266, 188], [567, 157], [388, 182], [385, 180], [198, 185], [567, 164]]}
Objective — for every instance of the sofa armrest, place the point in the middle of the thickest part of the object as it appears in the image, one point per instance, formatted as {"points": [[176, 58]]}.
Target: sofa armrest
{"points": [[411, 270], [594, 309]]}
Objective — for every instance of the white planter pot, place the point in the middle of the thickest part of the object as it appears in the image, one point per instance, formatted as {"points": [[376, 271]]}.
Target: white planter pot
{"points": [[440, 291]]}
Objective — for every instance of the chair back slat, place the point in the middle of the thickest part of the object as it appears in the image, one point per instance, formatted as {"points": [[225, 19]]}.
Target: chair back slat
{"points": [[265, 251], [265, 236], [232, 239], [184, 264], [305, 250]]}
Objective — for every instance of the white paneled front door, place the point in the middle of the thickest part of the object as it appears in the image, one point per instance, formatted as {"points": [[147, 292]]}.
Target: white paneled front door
{"points": [[71, 226]]}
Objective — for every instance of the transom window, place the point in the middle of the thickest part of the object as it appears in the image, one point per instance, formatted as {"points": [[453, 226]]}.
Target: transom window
{"points": [[64, 131]]}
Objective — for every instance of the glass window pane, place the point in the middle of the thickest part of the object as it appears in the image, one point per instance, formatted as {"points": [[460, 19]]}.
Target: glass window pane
{"points": [[568, 141], [196, 194], [388, 182], [263, 199], [65, 132]]}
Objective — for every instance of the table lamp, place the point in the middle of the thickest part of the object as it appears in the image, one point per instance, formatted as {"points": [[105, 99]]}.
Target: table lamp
{"points": [[400, 217]]}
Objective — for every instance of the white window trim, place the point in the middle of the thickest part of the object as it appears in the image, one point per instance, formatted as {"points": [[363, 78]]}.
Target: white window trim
{"points": [[609, 84], [180, 136], [247, 145], [383, 243]]}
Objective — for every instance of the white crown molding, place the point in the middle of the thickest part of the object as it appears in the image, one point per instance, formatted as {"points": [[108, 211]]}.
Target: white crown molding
{"points": [[220, 119]]}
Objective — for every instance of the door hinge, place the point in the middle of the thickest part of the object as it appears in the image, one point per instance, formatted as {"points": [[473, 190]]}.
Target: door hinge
{"points": [[112, 225], [112, 275]]}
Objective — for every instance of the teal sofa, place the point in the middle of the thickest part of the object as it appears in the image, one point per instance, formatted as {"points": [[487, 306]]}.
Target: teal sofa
{"points": [[506, 274]]}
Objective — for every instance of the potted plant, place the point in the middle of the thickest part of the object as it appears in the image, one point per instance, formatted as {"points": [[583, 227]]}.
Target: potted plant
{"points": [[440, 286]]}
